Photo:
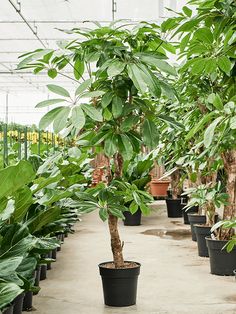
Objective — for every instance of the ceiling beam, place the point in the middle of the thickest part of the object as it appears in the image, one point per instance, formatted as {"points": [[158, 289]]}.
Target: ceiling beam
{"points": [[18, 10]]}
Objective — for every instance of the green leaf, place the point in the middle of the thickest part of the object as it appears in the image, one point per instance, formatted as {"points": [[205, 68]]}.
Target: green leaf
{"points": [[92, 112], [136, 75], [106, 99], [217, 102], [8, 291], [232, 123], [77, 117], [23, 200], [49, 102], [133, 208], [116, 212], [42, 218], [103, 214], [93, 94], [83, 86], [150, 134], [187, 11], [52, 73], [205, 119], [78, 69], [115, 68], [209, 133], [15, 177], [58, 90], [145, 209], [165, 67], [117, 106], [60, 120], [204, 34], [171, 121], [125, 147], [9, 265], [110, 146], [8, 210], [48, 118], [198, 66], [224, 64], [129, 123]]}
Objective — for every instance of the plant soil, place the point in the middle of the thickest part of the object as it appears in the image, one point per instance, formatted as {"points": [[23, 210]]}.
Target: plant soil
{"points": [[111, 265]]}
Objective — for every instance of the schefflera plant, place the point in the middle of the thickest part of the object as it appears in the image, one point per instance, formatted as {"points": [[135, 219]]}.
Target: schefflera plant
{"points": [[118, 72]]}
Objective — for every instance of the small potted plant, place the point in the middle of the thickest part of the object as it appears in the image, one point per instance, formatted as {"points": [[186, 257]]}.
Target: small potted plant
{"points": [[208, 199], [222, 248]]}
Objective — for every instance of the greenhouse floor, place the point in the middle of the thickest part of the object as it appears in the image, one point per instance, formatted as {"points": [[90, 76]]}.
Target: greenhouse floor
{"points": [[173, 278]]}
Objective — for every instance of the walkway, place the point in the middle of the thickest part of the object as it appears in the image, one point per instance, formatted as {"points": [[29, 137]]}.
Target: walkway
{"points": [[173, 278]]}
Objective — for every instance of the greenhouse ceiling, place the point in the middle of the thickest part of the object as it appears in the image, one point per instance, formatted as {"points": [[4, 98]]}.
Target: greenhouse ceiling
{"points": [[27, 25]]}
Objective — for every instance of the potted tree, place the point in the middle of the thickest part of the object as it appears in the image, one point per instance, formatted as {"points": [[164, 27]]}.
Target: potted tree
{"points": [[124, 69], [210, 71]]}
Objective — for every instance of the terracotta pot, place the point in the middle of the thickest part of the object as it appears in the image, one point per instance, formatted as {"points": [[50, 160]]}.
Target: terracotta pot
{"points": [[159, 188]]}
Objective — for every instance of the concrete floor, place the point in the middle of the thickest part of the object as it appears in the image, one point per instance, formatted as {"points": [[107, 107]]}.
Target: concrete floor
{"points": [[173, 278]]}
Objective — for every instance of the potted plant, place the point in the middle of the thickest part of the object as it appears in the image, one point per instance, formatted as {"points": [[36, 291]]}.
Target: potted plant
{"points": [[223, 252], [210, 71], [207, 198], [137, 172], [124, 69]]}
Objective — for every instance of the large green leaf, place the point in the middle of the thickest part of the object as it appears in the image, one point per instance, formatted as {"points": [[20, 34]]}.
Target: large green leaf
{"points": [[15, 177], [150, 134], [78, 69], [23, 200], [209, 133], [204, 34], [125, 146], [136, 75], [8, 292], [92, 112], [49, 102], [20, 248], [110, 146], [77, 117], [49, 117], [224, 64], [58, 90], [115, 68], [160, 64], [117, 106], [197, 127], [60, 120], [42, 218], [9, 265]]}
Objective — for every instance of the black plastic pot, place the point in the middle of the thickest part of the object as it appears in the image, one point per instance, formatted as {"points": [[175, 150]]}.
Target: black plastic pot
{"points": [[201, 233], [28, 301], [193, 209], [54, 254], [174, 209], [132, 220], [195, 219], [43, 272], [8, 310], [221, 262], [18, 304], [119, 285]]}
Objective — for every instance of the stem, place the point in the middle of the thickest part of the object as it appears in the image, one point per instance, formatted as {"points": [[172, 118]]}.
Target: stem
{"points": [[116, 244], [175, 184]]}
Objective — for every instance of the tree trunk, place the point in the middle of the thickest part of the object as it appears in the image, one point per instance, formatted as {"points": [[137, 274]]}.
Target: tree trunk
{"points": [[175, 184], [229, 159], [116, 244]]}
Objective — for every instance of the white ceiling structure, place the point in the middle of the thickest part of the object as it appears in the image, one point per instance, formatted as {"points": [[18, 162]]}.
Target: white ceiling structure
{"points": [[26, 25]]}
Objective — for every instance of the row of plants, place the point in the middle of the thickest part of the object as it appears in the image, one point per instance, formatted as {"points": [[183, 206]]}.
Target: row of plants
{"points": [[38, 208], [129, 96]]}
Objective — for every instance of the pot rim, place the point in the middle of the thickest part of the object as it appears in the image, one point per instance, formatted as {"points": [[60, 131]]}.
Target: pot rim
{"points": [[103, 263], [215, 240]]}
